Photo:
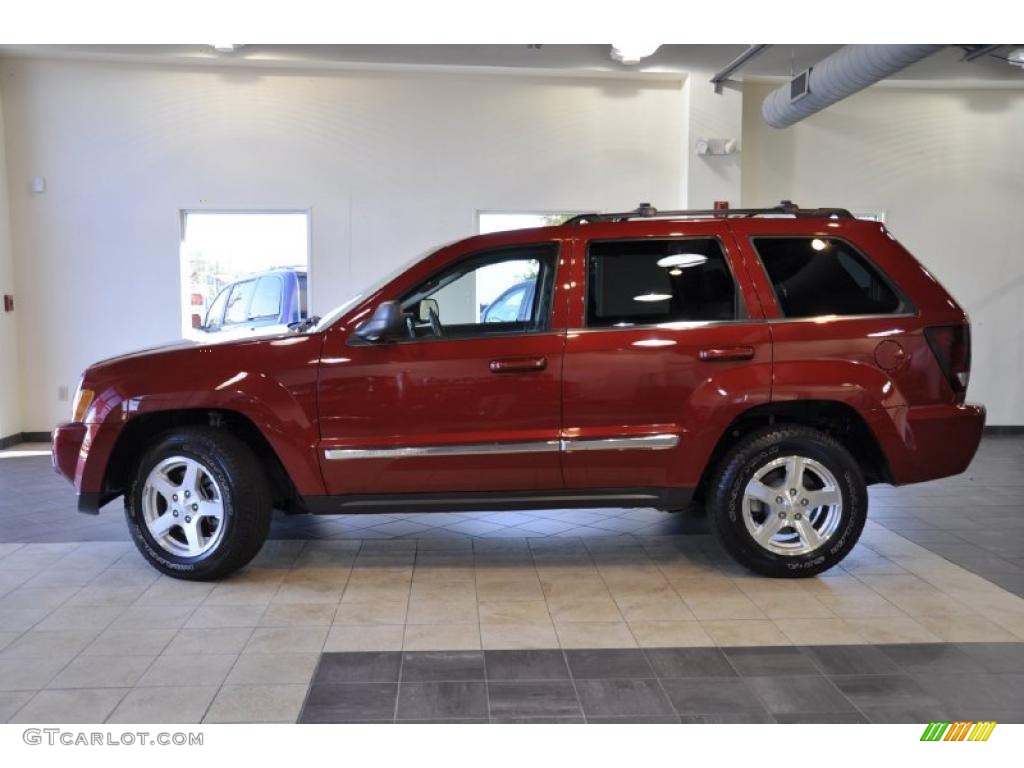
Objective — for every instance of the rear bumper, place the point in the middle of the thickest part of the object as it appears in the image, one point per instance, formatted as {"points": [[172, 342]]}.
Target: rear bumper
{"points": [[69, 450], [929, 442]]}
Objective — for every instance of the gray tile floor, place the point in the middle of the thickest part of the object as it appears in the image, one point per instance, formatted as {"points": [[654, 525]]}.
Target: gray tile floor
{"points": [[820, 684]]}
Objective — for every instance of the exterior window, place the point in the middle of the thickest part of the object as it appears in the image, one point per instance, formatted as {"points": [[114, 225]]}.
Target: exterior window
{"points": [[221, 249], [645, 282], [814, 276], [266, 301], [238, 305], [474, 297]]}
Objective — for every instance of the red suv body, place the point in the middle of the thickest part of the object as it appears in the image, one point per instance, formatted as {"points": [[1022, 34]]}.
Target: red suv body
{"points": [[659, 350]]}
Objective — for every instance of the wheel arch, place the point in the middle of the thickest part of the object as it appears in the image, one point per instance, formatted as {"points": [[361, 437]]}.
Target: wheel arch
{"points": [[840, 420], [140, 431]]}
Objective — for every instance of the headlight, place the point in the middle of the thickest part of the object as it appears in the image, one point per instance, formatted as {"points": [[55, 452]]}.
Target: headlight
{"points": [[80, 406]]}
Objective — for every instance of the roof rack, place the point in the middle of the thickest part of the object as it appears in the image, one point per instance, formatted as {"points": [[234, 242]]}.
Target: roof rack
{"points": [[648, 211]]}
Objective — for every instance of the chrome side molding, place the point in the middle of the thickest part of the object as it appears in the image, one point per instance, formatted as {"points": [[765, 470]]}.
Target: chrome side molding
{"points": [[464, 449], [566, 445], [640, 443]]}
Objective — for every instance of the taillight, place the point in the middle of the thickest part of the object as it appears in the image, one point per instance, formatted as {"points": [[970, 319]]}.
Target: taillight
{"points": [[951, 345]]}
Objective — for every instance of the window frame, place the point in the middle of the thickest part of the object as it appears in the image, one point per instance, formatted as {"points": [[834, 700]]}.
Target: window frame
{"points": [[554, 248], [910, 311], [742, 310]]}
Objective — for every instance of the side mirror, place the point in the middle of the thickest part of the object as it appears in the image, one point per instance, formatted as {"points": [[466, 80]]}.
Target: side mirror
{"points": [[425, 306], [386, 322]]}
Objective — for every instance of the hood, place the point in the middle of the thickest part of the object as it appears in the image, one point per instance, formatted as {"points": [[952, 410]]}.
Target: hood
{"points": [[183, 346]]}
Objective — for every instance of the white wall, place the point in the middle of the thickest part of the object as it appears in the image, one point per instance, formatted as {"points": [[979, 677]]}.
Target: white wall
{"points": [[10, 407], [390, 164], [947, 168], [710, 115]]}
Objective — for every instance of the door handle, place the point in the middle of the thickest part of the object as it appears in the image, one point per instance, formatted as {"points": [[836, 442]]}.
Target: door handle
{"points": [[719, 354], [518, 364]]}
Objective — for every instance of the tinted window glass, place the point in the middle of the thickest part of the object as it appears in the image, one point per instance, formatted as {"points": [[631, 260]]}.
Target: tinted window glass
{"points": [[641, 282], [459, 297], [238, 304], [815, 276], [266, 301], [216, 312]]}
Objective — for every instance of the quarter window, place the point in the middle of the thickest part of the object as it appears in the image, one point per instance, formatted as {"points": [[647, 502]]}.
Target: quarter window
{"points": [[814, 276], [645, 282]]}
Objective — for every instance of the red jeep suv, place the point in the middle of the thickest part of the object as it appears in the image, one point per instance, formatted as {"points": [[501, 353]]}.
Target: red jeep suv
{"points": [[767, 363]]}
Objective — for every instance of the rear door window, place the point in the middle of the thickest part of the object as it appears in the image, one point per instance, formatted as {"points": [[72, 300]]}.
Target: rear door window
{"points": [[815, 276], [646, 282]]}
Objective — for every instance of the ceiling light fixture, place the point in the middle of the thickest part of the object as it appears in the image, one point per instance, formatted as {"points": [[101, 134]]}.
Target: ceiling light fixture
{"points": [[224, 47], [653, 297], [1016, 57], [633, 53], [682, 260]]}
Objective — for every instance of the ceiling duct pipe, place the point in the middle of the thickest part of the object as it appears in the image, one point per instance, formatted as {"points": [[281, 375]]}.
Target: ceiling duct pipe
{"points": [[848, 70]]}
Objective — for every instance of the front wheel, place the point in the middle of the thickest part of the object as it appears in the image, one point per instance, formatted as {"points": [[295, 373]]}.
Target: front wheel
{"points": [[199, 508], [788, 501]]}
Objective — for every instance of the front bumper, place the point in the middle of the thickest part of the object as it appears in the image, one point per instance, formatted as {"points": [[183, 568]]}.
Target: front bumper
{"points": [[69, 448]]}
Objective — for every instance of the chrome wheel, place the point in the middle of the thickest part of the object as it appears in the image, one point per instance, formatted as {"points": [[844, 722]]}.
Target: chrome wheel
{"points": [[182, 507], [792, 505]]}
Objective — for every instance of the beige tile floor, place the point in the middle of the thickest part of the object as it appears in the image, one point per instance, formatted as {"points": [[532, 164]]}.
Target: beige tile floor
{"points": [[90, 631]]}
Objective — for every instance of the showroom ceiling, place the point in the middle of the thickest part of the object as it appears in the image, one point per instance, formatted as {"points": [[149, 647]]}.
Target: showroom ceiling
{"points": [[775, 61]]}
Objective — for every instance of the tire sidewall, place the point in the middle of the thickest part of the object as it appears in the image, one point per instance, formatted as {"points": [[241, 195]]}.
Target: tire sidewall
{"points": [[210, 459], [809, 444]]}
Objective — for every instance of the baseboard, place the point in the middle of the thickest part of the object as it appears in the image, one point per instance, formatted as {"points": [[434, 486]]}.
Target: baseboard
{"points": [[1004, 430], [23, 437]]}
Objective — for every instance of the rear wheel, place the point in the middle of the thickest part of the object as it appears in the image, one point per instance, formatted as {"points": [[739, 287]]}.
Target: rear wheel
{"points": [[199, 507], [788, 501]]}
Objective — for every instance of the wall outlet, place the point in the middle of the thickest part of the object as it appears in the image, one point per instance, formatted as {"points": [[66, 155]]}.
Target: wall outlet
{"points": [[62, 393]]}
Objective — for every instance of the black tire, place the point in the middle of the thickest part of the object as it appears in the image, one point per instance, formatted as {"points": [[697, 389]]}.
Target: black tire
{"points": [[739, 465], [246, 500]]}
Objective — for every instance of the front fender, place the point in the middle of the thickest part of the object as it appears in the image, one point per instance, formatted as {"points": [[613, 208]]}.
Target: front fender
{"points": [[272, 383]]}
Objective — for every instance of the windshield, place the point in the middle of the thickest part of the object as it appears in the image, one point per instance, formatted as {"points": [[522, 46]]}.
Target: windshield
{"points": [[329, 319]]}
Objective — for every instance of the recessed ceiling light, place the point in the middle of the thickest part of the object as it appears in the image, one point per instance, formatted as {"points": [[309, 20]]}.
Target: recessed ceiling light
{"points": [[682, 260], [225, 47], [653, 297], [632, 53]]}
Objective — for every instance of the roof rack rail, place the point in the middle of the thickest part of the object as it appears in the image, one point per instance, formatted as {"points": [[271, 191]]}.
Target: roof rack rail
{"points": [[648, 211]]}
